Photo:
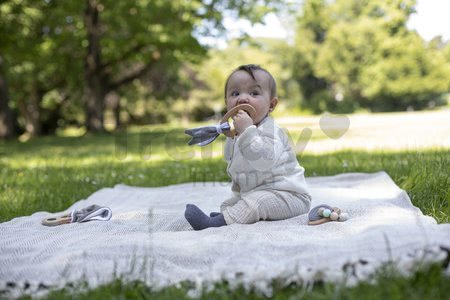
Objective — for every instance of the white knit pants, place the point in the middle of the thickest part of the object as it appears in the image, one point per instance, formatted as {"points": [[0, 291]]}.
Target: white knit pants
{"points": [[264, 205]]}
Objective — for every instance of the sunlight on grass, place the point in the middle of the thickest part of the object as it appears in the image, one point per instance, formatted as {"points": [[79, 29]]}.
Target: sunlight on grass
{"points": [[71, 131]]}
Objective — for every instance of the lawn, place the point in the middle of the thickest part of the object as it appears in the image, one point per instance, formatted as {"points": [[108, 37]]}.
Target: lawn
{"points": [[51, 173]]}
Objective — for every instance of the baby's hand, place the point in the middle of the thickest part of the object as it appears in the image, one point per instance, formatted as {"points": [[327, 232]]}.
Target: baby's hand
{"points": [[242, 121]]}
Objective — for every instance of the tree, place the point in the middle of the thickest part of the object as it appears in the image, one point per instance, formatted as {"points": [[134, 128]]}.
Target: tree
{"points": [[7, 119], [61, 57], [365, 56], [38, 57], [374, 61], [312, 27], [153, 31], [350, 48], [445, 48], [7, 125], [408, 77]]}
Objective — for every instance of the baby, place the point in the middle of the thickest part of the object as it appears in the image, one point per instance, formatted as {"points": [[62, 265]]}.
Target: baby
{"points": [[267, 181]]}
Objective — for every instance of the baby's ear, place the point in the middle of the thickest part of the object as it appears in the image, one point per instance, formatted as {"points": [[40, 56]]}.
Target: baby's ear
{"points": [[273, 103]]}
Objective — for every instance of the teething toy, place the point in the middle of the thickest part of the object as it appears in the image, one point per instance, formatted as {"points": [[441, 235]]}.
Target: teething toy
{"points": [[65, 219], [324, 213], [92, 212], [204, 135]]}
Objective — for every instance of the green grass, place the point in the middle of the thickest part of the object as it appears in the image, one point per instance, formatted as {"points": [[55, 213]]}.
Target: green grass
{"points": [[51, 173], [426, 283]]}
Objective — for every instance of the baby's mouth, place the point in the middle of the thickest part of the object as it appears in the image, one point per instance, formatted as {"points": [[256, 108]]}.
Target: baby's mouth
{"points": [[250, 110], [245, 107]]}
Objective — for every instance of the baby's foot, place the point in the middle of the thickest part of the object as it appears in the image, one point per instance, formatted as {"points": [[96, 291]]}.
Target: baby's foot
{"points": [[199, 220], [213, 214]]}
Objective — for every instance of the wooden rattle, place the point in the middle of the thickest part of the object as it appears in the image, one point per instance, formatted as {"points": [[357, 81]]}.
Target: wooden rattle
{"points": [[325, 213], [90, 213], [55, 221], [232, 112], [204, 135]]}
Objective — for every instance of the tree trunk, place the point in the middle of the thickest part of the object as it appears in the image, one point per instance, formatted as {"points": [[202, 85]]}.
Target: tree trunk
{"points": [[117, 115], [114, 102], [94, 83], [32, 111], [50, 118], [7, 120]]}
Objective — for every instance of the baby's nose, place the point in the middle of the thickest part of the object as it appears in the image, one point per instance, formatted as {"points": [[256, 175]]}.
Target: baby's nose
{"points": [[243, 98]]}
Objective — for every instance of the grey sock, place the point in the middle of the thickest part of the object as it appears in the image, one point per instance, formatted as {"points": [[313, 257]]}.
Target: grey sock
{"points": [[199, 220], [214, 213]]}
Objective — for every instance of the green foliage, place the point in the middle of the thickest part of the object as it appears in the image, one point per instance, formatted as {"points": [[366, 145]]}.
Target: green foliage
{"points": [[347, 55], [411, 76], [139, 48], [37, 53], [312, 26], [359, 54]]}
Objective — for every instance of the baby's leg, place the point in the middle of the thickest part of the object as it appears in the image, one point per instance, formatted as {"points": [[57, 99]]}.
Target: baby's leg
{"points": [[199, 220], [229, 202], [266, 205]]}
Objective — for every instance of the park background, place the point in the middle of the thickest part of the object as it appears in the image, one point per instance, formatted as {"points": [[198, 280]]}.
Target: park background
{"points": [[96, 93], [102, 65]]}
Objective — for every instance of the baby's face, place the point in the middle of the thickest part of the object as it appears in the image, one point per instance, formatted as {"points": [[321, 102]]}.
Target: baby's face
{"points": [[242, 88]]}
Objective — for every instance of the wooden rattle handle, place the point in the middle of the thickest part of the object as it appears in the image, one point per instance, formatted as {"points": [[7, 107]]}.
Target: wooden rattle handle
{"points": [[318, 222], [55, 221], [232, 112]]}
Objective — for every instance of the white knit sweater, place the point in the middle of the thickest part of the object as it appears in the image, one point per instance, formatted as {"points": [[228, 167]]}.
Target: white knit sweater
{"points": [[261, 158]]}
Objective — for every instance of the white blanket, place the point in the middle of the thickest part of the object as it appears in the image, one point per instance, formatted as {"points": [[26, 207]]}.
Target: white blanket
{"points": [[148, 239]]}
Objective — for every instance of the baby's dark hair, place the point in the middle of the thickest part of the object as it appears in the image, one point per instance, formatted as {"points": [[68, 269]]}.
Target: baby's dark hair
{"points": [[249, 69]]}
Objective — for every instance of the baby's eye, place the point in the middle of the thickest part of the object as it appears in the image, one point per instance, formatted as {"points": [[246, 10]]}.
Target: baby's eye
{"points": [[234, 93], [254, 93]]}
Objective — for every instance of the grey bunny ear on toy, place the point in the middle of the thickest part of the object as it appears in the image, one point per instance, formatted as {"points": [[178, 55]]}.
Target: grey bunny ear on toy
{"points": [[90, 213], [203, 136], [324, 213]]}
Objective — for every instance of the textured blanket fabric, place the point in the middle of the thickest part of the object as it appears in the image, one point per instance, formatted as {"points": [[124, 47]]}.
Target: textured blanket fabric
{"points": [[148, 239]]}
